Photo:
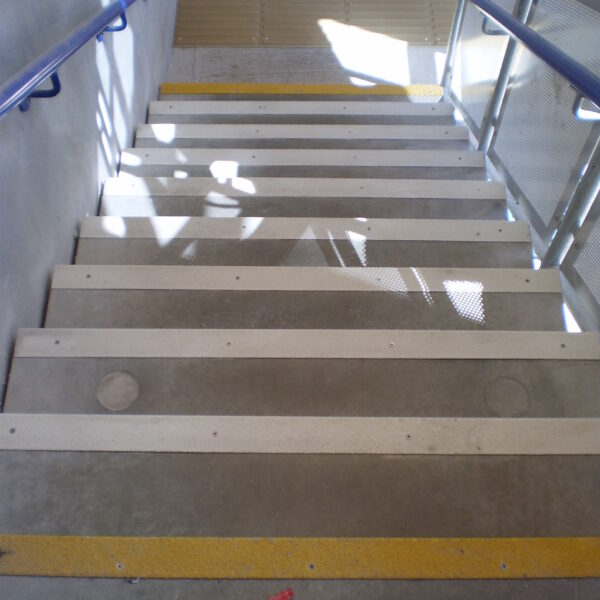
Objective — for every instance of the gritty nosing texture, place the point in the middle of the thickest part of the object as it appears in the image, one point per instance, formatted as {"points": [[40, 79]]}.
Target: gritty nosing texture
{"points": [[300, 435], [307, 343], [401, 280], [300, 558], [305, 89]]}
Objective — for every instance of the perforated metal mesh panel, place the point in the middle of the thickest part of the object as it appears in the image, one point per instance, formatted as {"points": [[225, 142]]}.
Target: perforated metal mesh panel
{"points": [[539, 142], [581, 265], [295, 23], [477, 64], [572, 27], [587, 263]]}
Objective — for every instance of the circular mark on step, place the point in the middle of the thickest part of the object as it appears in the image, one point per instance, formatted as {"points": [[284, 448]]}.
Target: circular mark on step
{"points": [[118, 390], [506, 397], [12, 430]]}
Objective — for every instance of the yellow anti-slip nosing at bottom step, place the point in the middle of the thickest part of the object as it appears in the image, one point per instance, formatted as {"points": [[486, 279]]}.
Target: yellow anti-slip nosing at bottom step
{"points": [[189, 88], [299, 558]]}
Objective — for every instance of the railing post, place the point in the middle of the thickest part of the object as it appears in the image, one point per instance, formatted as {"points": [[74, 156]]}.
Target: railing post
{"points": [[452, 43], [495, 103], [581, 200]]}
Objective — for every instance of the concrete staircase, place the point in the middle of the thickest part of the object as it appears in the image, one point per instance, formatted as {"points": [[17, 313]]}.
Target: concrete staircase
{"points": [[307, 317]]}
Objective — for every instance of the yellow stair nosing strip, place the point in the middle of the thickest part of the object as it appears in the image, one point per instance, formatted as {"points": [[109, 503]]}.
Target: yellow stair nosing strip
{"points": [[299, 558], [188, 88]]}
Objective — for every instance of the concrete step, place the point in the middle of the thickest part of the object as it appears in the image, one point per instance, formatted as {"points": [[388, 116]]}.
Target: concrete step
{"points": [[304, 197], [286, 495], [301, 372], [298, 136], [303, 242], [226, 163], [304, 297]]}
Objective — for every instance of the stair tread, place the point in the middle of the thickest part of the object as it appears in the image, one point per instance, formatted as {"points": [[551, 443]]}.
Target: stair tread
{"points": [[287, 495]]}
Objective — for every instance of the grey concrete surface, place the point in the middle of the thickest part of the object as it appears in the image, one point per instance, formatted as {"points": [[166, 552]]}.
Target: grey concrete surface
{"points": [[377, 172], [375, 144], [264, 206], [20, 588], [312, 387], [295, 65], [298, 495], [54, 158], [317, 253], [296, 310]]}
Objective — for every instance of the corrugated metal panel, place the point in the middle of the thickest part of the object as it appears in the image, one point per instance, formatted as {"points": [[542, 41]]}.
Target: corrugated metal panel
{"points": [[293, 23], [217, 23]]}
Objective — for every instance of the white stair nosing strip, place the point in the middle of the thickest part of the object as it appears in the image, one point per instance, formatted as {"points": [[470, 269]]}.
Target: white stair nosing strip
{"points": [[351, 279], [307, 187], [297, 228], [306, 343], [170, 132], [182, 157], [300, 435], [298, 107]]}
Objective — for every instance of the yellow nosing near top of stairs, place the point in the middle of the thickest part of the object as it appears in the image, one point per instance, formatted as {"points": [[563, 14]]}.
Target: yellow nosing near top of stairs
{"points": [[418, 89], [299, 558]]}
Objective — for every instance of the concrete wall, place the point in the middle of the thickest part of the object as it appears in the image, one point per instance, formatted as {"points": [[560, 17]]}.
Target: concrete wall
{"points": [[54, 158]]}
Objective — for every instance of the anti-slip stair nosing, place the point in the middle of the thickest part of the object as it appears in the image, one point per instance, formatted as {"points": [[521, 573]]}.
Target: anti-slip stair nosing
{"points": [[146, 157], [304, 89], [299, 557], [368, 279], [299, 107], [170, 132], [307, 344], [300, 435]]}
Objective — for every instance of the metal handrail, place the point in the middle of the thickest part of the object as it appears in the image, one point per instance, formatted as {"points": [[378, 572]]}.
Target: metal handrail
{"points": [[20, 87], [583, 80]]}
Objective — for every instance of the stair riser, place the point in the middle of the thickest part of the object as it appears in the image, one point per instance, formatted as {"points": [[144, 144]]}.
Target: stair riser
{"points": [[303, 253], [309, 171], [304, 119], [231, 495], [316, 387], [297, 310], [308, 144], [257, 206]]}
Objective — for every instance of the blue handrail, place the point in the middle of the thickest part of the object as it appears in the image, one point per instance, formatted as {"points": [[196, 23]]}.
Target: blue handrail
{"points": [[578, 76], [20, 87]]}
